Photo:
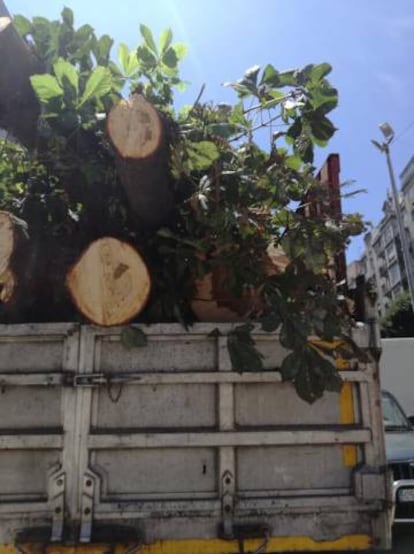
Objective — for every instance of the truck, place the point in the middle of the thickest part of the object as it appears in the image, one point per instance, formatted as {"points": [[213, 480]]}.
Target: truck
{"points": [[397, 370], [165, 449]]}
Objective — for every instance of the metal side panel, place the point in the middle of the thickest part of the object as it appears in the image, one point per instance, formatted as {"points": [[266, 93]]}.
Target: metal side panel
{"points": [[180, 446], [169, 442], [35, 426]]}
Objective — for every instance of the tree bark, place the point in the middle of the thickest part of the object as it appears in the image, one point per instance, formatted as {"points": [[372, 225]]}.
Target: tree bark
{"points": [[109, 283], [4, 12], [138, 133], [19, 108], [13, 253]]}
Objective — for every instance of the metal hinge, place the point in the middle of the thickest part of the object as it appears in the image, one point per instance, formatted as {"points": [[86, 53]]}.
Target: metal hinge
{"points": [[57, 482], [88, 494]]}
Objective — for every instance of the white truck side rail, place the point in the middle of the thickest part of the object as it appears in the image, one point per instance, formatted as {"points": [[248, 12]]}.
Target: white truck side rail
{"points": [[168, 442]]}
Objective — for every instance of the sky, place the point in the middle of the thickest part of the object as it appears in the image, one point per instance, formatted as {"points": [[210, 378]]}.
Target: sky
{"points": [[369, 43]]}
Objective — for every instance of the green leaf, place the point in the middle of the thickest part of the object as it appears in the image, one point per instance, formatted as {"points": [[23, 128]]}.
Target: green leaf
{"points": [[277, 96], [270, 76], [23, 25], [288, 78], [83, 34], [128, 60], [308, 384], [149, 39], [133, 337], [133, 64], [322, 128], [41, 32], [123, 56], [303, 76], [67, 16], [170, 58], [293, 162], [290, 366], [325, 369], [293, 333], [295, 129], [202, 154], [180, 49], [320, 71], [98, 84], [165, 40], [252, 73], [146, 57], [242, 351], [181, 86], [323, 96], [46, 87], [103, 50], [65, 71], [271, 322]]}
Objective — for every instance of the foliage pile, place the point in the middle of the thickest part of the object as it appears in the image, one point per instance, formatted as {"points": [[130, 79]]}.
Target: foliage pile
{"points": [[233, 197]]}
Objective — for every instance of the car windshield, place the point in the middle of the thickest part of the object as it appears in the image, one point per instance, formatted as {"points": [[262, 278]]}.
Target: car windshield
{"points": [[393, 416]]}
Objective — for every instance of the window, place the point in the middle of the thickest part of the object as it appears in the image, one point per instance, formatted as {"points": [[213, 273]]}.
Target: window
{"points": [[394, 273], [388, 234], [391, 252]]}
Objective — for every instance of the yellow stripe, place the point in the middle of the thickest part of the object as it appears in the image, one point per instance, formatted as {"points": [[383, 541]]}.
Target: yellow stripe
{"points": [[346, 400], [347, 416], [210, 546]]}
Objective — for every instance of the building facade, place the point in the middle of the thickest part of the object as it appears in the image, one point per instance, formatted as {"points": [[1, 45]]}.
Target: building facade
{"points": [[383, 262]]}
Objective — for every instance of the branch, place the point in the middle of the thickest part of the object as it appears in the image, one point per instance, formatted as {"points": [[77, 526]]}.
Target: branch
{"points": [[268, 104], [253, 129]]}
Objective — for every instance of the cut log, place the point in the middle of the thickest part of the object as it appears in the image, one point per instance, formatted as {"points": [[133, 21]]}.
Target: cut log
{"points": [[214, 302], [137, 131], [13, 256], [19, 108], [109, 283], [135, 128]]}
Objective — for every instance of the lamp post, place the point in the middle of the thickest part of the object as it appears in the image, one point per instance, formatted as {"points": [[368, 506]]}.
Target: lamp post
{"points": [[384, 147]]}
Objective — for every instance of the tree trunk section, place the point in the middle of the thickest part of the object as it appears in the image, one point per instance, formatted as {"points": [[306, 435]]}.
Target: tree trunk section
{"points": [[19, 108], [4, 12], [13, 256], [109, 283], [137, 131]]}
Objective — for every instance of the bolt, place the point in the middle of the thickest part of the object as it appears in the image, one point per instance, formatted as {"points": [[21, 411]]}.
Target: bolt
{"points": [[88, 483], [58, 510], [59, 482], [87, 511]]}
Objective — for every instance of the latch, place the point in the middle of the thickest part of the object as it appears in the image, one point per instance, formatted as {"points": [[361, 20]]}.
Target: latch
{"points": [[88, 495], [56, 482], [89, 380]]}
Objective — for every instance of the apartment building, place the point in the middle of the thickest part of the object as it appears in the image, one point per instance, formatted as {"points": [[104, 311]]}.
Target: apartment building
{"points": [[382, 262]]}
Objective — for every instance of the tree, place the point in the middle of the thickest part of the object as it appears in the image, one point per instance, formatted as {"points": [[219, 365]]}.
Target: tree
{"points": [[221, 203], [398, 320]]}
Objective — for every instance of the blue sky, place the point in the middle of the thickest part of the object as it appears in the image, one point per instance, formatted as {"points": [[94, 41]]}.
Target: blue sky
{"points": [[369, 43]]}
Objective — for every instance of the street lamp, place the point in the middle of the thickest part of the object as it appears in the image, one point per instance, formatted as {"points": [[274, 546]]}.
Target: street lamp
{"points": [[384, 147]]}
